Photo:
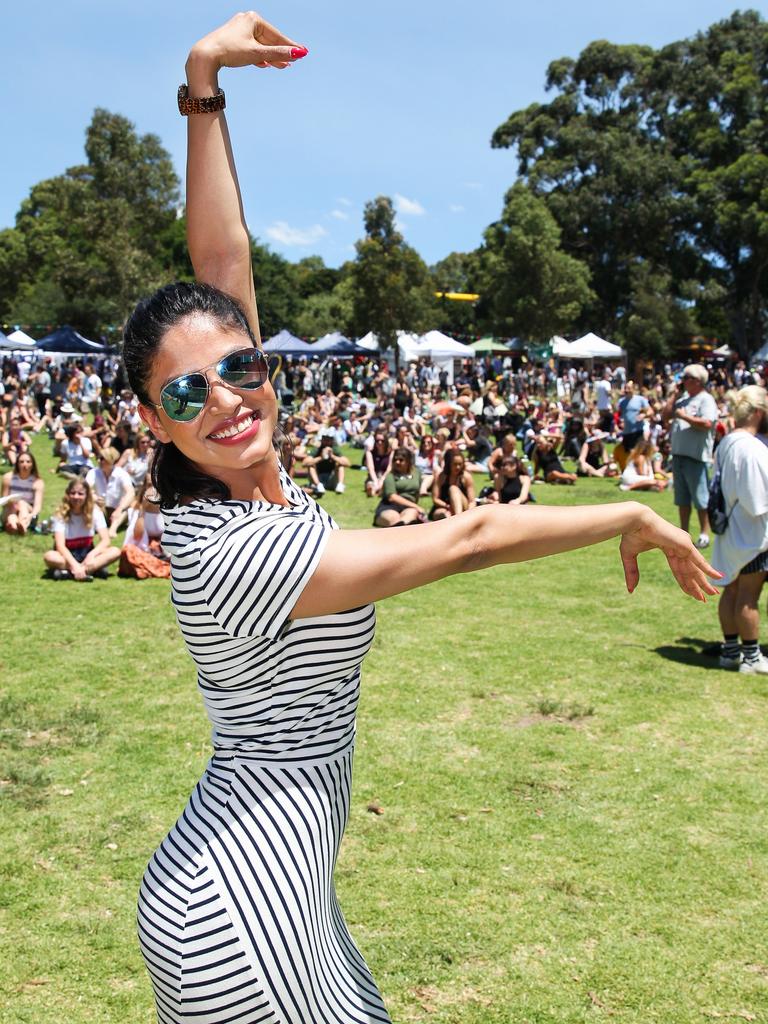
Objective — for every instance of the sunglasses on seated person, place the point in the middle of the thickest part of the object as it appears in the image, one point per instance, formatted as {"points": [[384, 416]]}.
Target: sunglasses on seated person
{"points": [[183, 398]]}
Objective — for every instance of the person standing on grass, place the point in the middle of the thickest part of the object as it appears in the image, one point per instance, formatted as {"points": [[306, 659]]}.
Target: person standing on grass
{"points": [[692, 412], [741, 553], [238, 918]]}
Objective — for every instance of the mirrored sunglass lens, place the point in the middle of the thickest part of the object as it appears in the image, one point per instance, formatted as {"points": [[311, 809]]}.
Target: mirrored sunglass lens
{"points": [[246, 369], [184, 397]]}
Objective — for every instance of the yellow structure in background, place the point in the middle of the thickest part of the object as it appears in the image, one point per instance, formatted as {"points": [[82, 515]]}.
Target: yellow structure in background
{"points": [[457, 296]]}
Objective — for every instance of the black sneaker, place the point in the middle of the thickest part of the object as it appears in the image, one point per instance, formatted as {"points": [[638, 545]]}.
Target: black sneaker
{"points": [[62, 574], [102, 574]]}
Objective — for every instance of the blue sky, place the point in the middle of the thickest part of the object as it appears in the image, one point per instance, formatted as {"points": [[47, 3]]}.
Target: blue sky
{"points": [[398, 99]]}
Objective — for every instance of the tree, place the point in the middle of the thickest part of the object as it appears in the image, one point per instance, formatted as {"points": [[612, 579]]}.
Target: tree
{"points": [[94, 239], [390, 285], [657, 159], [530, 286], [458, 272]]}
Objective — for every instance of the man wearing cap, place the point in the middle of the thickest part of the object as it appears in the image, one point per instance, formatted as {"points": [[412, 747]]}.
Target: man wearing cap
{"points": [[692, 413]]}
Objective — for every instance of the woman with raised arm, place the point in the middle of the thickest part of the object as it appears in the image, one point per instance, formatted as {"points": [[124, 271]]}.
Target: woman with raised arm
{"points": [[238, 919]]}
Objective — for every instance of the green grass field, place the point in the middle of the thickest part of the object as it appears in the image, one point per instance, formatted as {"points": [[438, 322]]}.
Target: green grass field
{"points": [[573, 794]]}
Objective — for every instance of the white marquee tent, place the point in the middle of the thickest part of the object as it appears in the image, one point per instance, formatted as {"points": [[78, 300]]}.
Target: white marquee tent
{"points": [[592, 347]]}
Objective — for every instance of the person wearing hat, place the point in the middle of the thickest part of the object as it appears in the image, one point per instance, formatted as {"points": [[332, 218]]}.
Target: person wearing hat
{"points": [[692, 414], [112, 488]]}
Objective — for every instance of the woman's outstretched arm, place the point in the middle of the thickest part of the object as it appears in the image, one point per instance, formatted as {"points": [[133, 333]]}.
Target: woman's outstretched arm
{"points": [[359, 566], [217, 236]]}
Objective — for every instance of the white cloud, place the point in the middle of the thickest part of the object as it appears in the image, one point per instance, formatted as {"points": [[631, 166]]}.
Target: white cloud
{"points": [[408, 207], [343, 201], [339, 215], [283, 233], [400, 226], [456, 208], [474, 185]]}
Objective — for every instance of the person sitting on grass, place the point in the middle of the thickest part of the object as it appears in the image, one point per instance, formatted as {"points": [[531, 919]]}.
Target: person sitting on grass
{"points": [[639, 474], [399, 504], [326, 465], [76, 526], [75, 452], [593, 460], [507, 447], [23, 490], [512, 484], [427, 462], [136, 460], [453, 491], [378, 462], [112, 489], [142, 556], [546, 463], [15, 440]]}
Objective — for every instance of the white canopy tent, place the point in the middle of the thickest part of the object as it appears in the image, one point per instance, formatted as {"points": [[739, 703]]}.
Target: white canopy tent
{"points": [[593, 347], [560, 347], [22, 340], [437, 345], [409, 345], [369, 341]]}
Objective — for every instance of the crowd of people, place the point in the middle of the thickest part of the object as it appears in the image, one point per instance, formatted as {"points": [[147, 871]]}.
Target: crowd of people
{"points": [[428, 449]]}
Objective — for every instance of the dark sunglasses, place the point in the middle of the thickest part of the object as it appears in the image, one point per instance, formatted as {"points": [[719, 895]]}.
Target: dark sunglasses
{"points": [[183, 398]]}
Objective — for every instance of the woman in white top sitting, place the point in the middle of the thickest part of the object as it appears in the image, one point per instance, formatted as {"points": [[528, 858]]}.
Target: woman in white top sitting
{"points": [[136, 460], [24, 490], [75, 451], [638, 474], [113, 490], [76, 554], [741, 552]]}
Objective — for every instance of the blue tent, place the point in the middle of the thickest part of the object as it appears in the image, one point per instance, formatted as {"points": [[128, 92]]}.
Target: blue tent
{"points": [[287, 344], [66, 340], [336, 344]]}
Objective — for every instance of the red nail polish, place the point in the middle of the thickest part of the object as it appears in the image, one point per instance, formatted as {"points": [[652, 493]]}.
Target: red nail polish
{"points": [[299, 51]]}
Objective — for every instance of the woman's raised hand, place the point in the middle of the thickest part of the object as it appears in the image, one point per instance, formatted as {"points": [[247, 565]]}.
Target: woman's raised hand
{"points": [[688, 565], [248, 39]]}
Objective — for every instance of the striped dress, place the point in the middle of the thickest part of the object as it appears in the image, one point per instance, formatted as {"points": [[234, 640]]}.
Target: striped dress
{"points": [[238, 918]]}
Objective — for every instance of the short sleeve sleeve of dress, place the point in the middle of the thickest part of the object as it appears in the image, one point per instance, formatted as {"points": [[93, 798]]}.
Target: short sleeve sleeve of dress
{"points": [[254, 568]]}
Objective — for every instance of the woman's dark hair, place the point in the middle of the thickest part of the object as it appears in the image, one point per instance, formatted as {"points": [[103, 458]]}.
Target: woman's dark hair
{"points": [[173, 475], [404, 453], [29, 455]]}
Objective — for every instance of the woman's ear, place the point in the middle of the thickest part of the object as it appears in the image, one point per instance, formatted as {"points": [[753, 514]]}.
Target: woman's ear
{"points": [[150, 419]]}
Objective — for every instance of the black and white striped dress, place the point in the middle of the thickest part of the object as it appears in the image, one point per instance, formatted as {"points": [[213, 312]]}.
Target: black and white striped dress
{"points": [[238, 918]]}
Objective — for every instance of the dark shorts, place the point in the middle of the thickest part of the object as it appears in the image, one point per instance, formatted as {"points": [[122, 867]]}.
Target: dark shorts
{"points": [[758, 564]]}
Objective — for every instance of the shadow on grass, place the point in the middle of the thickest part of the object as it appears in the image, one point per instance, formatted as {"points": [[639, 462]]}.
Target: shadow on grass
{"points": [[691, 650]]}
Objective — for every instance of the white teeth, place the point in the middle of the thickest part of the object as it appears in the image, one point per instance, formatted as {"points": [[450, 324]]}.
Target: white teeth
{"points": [[236, 428]]}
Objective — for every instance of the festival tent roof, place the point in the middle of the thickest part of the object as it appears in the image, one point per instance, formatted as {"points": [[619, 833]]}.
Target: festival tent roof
{"points": [[410, 345], [335, 344], [67, 340], [489, 344], [592, 347], [287, 344], [369, 342], [17, 340], [560, 347], [725, 352], [438, 345], [22, 338]]}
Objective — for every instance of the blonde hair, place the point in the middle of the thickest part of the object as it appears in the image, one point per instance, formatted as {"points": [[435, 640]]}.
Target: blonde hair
{"points": [[64, 511], [643, 449], [749, 400]]}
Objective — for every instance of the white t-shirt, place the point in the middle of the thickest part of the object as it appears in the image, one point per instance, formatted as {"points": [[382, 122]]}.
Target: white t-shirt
{"points": [[603, 391], [743, 463], [76, 531], [113, 488], [92, 387], [77, 454]]}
